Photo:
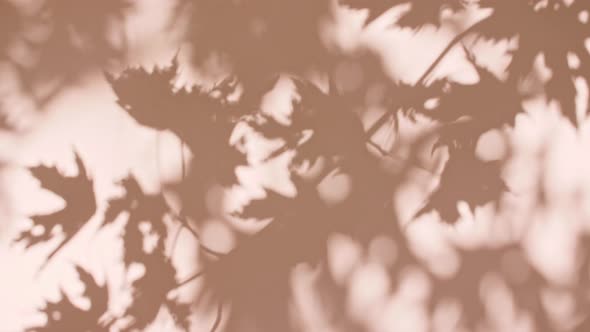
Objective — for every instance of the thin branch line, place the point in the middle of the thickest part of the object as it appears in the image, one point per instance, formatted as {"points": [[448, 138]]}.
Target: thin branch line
{"points": [[218, 316], [188, 280], [459, 37]]}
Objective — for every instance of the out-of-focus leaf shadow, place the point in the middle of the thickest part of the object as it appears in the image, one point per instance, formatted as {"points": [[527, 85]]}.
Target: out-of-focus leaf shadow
{"points": [[421, 13], [60, 41], [258, 37]]}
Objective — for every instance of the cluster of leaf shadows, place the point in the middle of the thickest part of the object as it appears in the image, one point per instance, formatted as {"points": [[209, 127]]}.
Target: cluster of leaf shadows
{"points": [[263, 38]]}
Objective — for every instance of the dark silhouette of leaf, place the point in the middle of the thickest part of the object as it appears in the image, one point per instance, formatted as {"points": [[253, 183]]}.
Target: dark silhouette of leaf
{"points": [[149, 98], [141, 208], [408, 100], [199, 119], [149, 290], [465, 178], [535, 24], [471, 110], [118, 205], [336, 129], [80, 202], [490, 100], [65, 316], [507, 18]]}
